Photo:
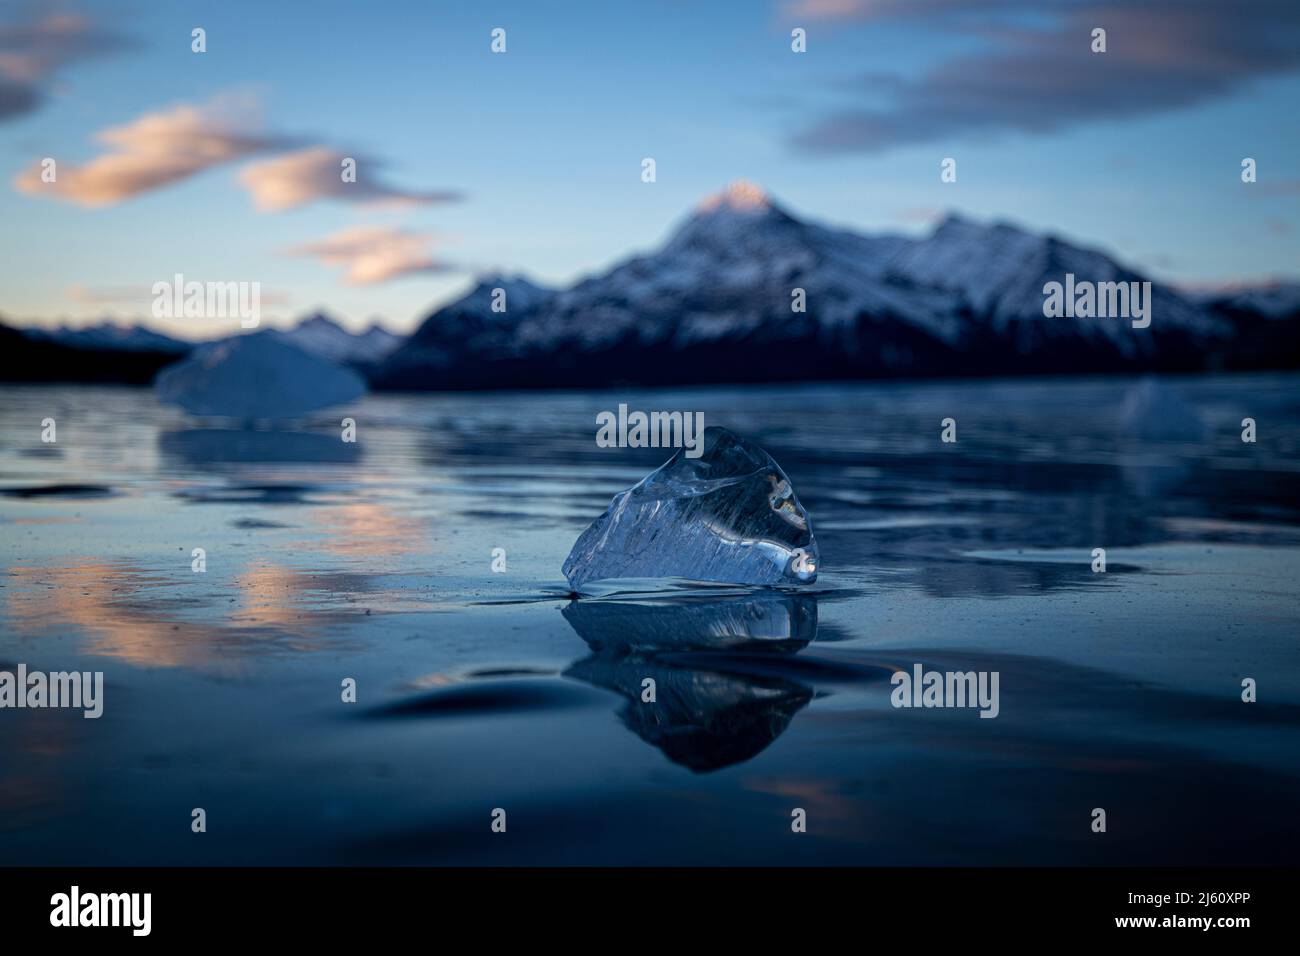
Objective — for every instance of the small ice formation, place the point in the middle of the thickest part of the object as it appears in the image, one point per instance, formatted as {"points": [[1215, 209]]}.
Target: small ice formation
{"points": [[728, 516], [256, 377], [1152, 411]]}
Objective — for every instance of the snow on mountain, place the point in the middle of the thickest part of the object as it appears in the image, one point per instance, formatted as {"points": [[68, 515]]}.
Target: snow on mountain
{"points": [[468, 325], [728, 271], [714, 303], [111, 337], [38, 358], [321, 335], [376, 342], [517, 294], [317, 334], [1274, 300], [999, 272]]}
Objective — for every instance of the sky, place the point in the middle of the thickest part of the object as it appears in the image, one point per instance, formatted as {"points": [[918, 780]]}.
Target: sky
{"points": [[225, 165]]}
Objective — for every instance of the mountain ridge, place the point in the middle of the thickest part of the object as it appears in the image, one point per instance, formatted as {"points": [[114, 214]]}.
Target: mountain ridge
{"points": [[713, 303], [316, 333]]}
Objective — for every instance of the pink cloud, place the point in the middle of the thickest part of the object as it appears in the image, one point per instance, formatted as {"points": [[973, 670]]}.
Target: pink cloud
{"points": [[155, 150], [295, 179], [374, 254]]}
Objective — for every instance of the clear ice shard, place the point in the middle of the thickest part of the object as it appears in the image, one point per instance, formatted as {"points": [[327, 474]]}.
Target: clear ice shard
{"points": [[728, 516]]}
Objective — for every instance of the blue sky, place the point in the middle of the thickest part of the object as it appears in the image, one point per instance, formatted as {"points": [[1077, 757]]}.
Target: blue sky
{"points": [[1136, 151]]}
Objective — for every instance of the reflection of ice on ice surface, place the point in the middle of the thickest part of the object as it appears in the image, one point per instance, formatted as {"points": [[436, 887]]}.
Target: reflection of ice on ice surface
{"points": [[730, 515], [703, 718], [205, 447], [707, 712], [256, 377], [696, 620], [1154, 415], [1153, 411]]}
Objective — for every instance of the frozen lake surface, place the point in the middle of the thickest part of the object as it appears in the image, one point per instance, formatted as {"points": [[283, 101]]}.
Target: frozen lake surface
{"points": [[480, 690]]}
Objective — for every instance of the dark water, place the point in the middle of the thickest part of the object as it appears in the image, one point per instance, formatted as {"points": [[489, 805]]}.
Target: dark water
{"points": [[481, 690]]}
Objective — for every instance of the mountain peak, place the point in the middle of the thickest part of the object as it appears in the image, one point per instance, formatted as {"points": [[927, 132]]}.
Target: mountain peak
{"points": [[521, 293], [318, 320], [507, 281], [956, 229], [740, 196], [734, 223]]}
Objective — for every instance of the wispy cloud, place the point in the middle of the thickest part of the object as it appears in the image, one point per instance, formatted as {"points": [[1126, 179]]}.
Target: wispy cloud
{"points": [[374, 254], [1035, 78], [108, 295], [157, 150], [316, 173], [138, 295], [175, 144], [33, 51]]}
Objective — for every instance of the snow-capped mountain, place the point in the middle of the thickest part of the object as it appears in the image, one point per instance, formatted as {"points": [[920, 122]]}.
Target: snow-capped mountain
{"points": [[516, 294], [36, 358], [716, 302], [1275, 300], [110, 337], [998, 273], [1265, 321], [317, 334], [729, 271], [468, 326], [320, 335]]}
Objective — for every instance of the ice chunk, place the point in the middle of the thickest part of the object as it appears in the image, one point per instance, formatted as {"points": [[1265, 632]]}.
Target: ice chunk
{"points": [[1152, 411], [729, 515], [256, 377]]}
